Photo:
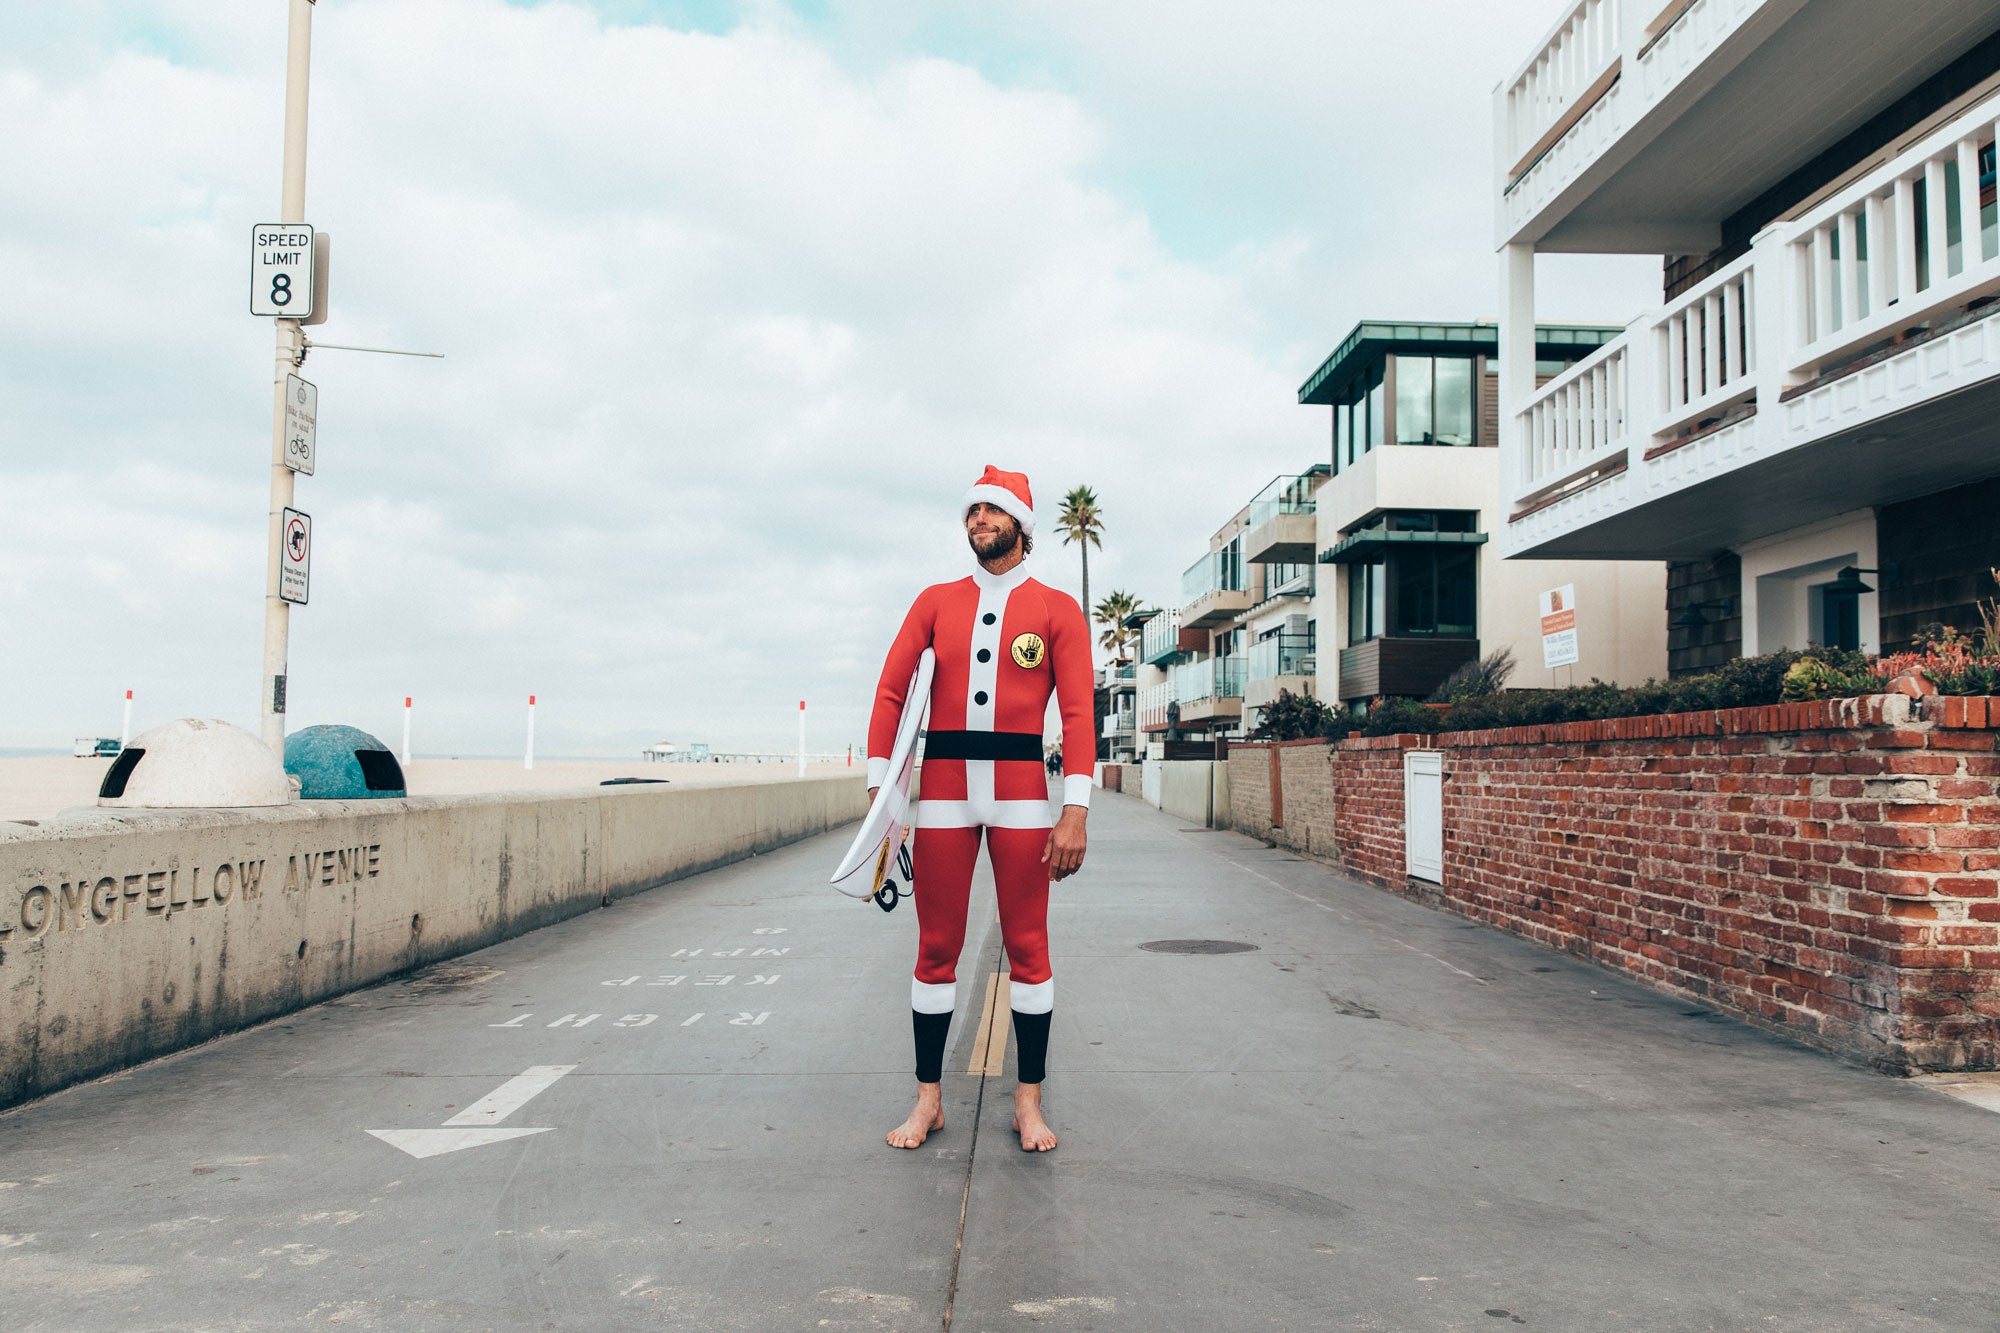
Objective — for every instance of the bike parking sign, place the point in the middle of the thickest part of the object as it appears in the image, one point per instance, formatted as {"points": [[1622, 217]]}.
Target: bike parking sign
{"points": [[281, 269], [301, 421]]}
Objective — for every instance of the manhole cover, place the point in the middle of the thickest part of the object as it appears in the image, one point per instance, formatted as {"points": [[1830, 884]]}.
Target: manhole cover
{"points": [[1198, 946]]}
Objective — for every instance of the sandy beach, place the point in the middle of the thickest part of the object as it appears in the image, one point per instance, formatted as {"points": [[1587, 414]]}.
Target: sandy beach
{"points": [[38, 788]]}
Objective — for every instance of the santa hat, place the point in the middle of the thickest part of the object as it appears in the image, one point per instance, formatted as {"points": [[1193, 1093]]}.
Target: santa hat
{"points": [[1005, 491]]}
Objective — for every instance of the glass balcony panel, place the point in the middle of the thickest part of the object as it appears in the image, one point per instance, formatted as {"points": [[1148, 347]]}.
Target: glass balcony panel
{"points": [[1285, 495], [1281, 655]]}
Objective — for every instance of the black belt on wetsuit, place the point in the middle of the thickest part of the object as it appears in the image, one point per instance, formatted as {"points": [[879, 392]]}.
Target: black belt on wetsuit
{"points": [[983, 745]]}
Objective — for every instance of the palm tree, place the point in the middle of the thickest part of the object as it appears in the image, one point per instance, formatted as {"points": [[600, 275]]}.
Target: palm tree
{"points": [[1112, 613], [1081, 522]]}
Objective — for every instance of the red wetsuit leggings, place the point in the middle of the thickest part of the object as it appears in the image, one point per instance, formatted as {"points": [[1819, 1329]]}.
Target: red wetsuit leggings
{"points": [[945, 854]]}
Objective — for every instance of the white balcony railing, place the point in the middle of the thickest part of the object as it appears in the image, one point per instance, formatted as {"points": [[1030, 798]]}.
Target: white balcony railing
{"points": [[1577, 420], [1907, 238], [1601, 70], [1705, 343], [1571, 64], [1153, 701], [1887, 257], [1159, 638]]}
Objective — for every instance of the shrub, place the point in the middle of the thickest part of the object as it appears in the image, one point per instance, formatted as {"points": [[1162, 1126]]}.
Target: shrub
{"points": [[1475, 679], [1298, 717], [1743, 683], [1393, 717]]}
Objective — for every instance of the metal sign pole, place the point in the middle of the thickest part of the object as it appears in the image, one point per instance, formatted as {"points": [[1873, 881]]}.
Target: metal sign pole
{"points": [[290, 346]]}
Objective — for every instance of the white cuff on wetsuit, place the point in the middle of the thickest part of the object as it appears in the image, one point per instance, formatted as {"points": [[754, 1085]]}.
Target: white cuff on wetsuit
{"points": [[933, 997], [1076, 789], [1038, 998], [878, 771]]}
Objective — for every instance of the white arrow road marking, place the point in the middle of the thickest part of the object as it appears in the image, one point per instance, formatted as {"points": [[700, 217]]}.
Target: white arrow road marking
{"points": [[510, 1096], [433, 1142], [478, 1124]]}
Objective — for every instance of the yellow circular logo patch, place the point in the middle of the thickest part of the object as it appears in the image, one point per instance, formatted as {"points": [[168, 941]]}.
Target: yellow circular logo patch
{"points": [[1029, 650]]}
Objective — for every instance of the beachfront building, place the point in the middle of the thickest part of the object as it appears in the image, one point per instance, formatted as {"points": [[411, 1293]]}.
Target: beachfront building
{"points": [[1246, 627], [1411, 584], [1281, 631], [1159, 650], [1118, 710], [1807, 425], [1205, 668]]}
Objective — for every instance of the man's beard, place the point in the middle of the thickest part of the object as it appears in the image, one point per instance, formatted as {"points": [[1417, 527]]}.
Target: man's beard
{"points": [[1000, 545]]}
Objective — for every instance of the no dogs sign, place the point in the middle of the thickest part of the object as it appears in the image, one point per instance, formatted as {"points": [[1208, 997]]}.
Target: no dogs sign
{"points": [[295, 556]]}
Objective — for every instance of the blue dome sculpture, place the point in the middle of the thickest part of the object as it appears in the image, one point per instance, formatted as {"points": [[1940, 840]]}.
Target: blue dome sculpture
{"points": [[335, 763]]}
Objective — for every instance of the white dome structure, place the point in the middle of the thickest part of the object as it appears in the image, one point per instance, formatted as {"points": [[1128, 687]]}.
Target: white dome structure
{"points": [[195, 763]]}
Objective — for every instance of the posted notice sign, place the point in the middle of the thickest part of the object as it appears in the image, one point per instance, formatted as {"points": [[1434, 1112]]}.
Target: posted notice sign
{"points": [[301, 423], [1559, 626], [295, 533]]}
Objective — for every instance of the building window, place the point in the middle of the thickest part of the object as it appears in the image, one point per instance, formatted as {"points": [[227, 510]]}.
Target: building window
{"points": [[1367, 602], [1434, 591], [1288, 578], [1418, 590], [1434, 400], [1378, 413]]}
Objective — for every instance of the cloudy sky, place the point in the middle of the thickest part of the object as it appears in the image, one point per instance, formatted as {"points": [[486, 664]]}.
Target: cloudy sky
{"points": [[737, 297]]}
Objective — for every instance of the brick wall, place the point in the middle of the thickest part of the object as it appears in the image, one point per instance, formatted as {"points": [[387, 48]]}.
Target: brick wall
{"points": [[1302, 817], [1830, 870], [1250, 789]]}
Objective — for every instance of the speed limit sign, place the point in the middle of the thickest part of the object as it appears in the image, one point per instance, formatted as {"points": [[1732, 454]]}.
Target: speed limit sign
{"points": [[281, 269]]}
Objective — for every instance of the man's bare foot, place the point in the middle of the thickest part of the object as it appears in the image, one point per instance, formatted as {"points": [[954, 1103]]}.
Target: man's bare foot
{"points": [[1036, 1136], [925, 1120]]}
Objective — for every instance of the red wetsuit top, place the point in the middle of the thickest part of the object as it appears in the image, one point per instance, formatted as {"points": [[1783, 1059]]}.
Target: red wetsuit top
{"points": [[1004, 643]]}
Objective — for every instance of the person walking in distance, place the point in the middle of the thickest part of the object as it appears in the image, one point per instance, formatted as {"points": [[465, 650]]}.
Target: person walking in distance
{"points": [[1004, 642]]}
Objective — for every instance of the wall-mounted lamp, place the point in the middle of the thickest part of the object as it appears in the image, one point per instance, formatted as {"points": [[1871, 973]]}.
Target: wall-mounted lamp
{"points": [[1690, 616], [1848, 580]]}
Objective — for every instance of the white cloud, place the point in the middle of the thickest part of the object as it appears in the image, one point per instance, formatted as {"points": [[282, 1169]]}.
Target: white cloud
{"points": [[731, 321]]}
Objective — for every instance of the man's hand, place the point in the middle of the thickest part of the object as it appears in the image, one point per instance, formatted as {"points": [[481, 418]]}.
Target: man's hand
{"points": [[1064, 853], [871, 794]]}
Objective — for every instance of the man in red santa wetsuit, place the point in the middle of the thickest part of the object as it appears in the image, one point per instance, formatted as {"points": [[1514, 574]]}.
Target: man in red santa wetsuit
{"points": [[1004, 643]]}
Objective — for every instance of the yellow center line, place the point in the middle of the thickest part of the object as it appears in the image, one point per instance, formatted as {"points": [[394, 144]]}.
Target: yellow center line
{"points": [[989, 1047]]}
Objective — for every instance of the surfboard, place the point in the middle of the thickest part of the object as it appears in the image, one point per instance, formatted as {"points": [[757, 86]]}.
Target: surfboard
{"points": [[881, 850]]}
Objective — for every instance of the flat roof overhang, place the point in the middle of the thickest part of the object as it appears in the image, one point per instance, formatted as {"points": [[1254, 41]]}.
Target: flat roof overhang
{"points": [[1371, 340], [1372, 545], [1756, 135]]}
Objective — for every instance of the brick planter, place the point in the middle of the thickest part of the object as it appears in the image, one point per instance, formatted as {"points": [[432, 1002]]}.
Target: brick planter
{"points": [[1830, 870]]}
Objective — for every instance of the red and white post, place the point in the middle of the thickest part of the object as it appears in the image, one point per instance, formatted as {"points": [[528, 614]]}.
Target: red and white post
{"points": [[529, 762], [406, 732], [125, 729], [802, 738]]}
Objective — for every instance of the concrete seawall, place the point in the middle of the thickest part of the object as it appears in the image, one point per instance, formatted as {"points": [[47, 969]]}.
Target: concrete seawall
{"points": [[126, 936]]}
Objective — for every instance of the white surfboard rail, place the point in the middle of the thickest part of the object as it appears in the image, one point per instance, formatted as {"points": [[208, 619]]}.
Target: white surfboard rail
{"points": [[879, 842]]}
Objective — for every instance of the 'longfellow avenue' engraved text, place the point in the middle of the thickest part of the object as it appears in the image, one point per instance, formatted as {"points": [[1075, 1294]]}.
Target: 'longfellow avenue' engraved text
{"points": [[71, 905]]}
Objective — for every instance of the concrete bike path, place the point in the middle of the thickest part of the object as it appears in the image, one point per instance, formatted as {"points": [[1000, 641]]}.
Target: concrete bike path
{"points": [[1377, 1117]]}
